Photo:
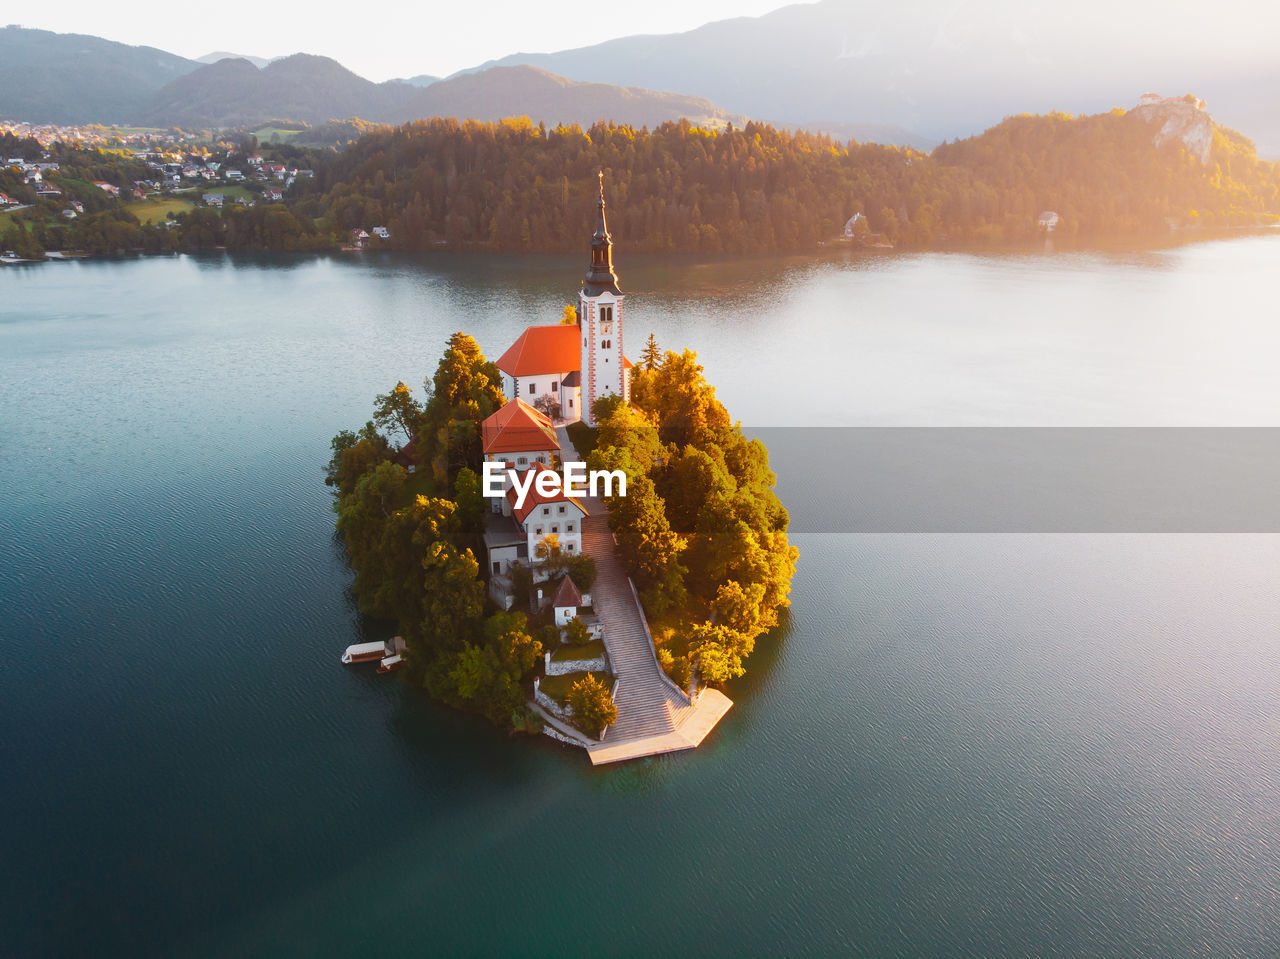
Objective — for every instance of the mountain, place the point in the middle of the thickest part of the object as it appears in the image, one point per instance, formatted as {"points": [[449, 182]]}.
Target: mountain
{"points": [[217, 55], [946, 69], [233, 93], [528, 91], [313, 89], [69, 78]]}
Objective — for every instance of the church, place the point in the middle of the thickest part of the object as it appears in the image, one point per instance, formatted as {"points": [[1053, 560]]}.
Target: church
{"points": [[561, 368], [569, 366]]}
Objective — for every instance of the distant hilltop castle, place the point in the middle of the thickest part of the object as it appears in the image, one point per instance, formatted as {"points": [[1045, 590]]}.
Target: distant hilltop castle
{"points": [[1181, 118], [571, 365], [1152, 99]]}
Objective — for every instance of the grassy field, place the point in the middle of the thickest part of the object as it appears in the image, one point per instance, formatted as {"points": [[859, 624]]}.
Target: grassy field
{"points": [[566, 653], [266, 133], [157, 209], [557, 687]]}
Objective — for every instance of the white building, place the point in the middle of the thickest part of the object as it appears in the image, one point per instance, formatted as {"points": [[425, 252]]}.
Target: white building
{"points": [[541, 516], [576, 364], [518, 436], [604, 370], [1048, 221]]}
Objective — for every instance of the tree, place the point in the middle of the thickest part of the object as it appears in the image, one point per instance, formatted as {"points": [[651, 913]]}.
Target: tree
{"points": [[465, 390], [650, 550], [575, 632], [548, 406], [397, 411], [472, 505], [719, 651], [593, 708], [355, 454], [570, 315], [651, 358]]}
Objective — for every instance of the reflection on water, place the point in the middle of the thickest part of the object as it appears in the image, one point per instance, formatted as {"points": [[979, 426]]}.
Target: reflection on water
{"points": [[956, 745]]}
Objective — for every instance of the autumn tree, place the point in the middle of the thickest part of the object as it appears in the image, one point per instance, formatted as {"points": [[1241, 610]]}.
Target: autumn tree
{"points": [[593, 708]]}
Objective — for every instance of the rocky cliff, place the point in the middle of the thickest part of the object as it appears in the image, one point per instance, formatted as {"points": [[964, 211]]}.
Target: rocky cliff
{"points": [[1178, 118]]}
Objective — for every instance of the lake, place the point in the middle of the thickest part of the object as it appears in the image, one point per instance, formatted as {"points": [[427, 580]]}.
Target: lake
{"points": [[959, 744]]}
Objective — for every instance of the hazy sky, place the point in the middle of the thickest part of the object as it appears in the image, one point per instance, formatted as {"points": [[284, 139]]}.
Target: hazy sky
{"points": [[382, 40]]}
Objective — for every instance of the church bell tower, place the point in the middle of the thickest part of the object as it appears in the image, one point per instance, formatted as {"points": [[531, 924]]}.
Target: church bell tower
{"points": [[600, 323]]}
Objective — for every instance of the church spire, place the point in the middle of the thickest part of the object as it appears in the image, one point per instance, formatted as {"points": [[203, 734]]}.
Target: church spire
{"points": [[601, 276]]}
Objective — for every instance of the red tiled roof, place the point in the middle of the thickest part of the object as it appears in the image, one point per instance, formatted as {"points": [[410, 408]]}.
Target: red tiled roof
{"points": [[567, 594], [543, 349], [518, 428], [532, 500]]}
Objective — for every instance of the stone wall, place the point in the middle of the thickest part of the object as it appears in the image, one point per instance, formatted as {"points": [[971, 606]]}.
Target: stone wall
{"points": [[549, 704], [598, 665]]}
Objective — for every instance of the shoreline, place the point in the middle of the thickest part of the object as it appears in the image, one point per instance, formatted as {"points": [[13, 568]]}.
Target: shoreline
{"points": [[831, 249]]}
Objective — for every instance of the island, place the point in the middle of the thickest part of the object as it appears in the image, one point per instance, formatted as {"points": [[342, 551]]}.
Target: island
{"points": [[605, 621]]}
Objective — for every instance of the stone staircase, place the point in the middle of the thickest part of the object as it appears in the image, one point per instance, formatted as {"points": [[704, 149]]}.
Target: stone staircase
{"points": [[647, 705], [653, 716]]}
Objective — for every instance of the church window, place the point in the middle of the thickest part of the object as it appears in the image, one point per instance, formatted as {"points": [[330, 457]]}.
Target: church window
{"points": [[568, 527], [606, 314], [538, 531], [561, 510], [568, 548], [522, 461], [555, 386], [546, 511], [533, 389]]}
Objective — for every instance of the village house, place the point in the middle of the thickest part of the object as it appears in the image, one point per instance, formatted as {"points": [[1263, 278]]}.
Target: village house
{"points": [[275, 195], [1048, 221], [108, 188], [518, 436], [213, 200], [381, 233], [512, 538]]}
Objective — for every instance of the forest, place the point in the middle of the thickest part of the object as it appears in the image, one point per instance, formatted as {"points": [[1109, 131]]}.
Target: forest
{"points": [[514, 186], [701, 531]]}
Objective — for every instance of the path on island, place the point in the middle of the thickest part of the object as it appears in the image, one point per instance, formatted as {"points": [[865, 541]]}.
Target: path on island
{"points": [[653, 715]]}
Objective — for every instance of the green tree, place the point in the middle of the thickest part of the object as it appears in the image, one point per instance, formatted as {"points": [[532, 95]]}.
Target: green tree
{"points": [[465, 390], [651, 358], [575, 632], [397, 411], [593, 707]]}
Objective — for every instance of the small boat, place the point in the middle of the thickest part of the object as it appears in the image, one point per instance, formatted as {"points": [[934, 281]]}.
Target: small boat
{"points": [[364, 652], [391, 663]]}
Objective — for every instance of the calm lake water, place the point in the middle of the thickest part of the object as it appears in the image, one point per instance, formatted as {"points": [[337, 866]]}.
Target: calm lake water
{"points": [[958, 745]]}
